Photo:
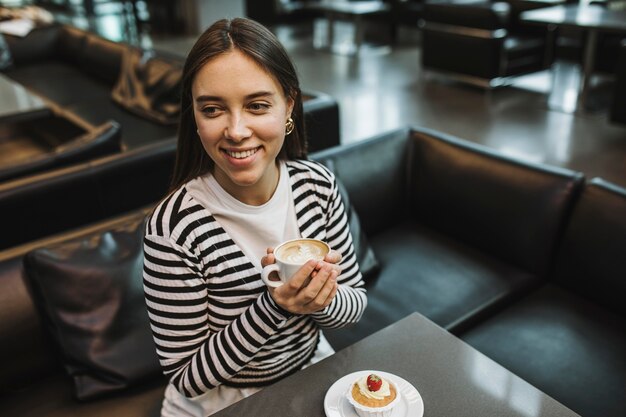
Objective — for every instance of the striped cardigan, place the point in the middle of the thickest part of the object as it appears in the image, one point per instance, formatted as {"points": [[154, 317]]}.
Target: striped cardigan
{"points": [[212, 318]]}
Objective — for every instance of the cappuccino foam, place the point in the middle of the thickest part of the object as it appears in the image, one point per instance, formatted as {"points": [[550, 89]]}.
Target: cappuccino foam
{"points": [[300, 251]]}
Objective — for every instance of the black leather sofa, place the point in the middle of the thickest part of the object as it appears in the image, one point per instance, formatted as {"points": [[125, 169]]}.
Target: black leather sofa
{"points": [[481, 42], [513, 257], [98, 80], [78, 71]]}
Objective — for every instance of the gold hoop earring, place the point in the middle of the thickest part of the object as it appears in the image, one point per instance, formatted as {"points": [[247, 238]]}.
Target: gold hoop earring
{"points": [[289, 126]]}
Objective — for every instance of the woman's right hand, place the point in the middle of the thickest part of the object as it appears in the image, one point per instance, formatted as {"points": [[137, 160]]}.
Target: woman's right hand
{"points": [[311, 289]]}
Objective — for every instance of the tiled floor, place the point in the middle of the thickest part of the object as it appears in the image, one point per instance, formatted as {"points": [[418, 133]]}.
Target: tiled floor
{"points": [[379, 91]]}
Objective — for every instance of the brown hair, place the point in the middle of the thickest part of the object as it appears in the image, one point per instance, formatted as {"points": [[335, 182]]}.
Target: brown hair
{"points": [[258, 43]]}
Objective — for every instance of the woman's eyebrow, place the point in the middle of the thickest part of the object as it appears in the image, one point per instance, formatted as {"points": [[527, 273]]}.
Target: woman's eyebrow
{"points": [[259, 94], [208, 98], [251, 96]]}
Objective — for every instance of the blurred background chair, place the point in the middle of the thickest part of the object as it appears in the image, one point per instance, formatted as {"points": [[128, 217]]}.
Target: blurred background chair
{"points": [[480, 43], [617, 112]]}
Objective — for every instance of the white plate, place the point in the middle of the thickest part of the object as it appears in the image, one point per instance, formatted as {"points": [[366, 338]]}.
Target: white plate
{"points": [[336, 404]]}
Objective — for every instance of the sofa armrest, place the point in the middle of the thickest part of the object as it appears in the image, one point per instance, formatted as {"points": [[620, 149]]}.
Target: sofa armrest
{"points": [[101, 141], [508, 208]]}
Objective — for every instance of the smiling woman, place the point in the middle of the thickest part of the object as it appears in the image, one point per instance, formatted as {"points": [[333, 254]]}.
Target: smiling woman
{"points": [[241, 113], [241, 186]]}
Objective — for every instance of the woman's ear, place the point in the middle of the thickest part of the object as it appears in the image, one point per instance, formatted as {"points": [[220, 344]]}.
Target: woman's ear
{"points": [[290, 104]]}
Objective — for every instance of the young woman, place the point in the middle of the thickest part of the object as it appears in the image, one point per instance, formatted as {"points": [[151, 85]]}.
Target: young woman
{"points": [[241, 186]]}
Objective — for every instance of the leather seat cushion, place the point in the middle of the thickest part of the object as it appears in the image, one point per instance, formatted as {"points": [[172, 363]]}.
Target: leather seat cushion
{"points": [[563, 345], [52, 397], [424, 271]]}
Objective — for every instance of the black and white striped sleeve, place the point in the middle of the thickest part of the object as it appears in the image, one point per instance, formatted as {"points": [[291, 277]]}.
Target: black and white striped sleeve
{"points": [[348, 305], [196, 358]]}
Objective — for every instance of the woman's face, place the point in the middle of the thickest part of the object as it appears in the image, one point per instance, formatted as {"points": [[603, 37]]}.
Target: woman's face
{"points": [[241, 111]]}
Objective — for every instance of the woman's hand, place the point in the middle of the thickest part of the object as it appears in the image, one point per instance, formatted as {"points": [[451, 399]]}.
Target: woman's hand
{"points": [[311, 289]]}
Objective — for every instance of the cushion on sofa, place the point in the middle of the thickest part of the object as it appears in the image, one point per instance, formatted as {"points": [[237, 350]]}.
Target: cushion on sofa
{"points": [[90, 294]]}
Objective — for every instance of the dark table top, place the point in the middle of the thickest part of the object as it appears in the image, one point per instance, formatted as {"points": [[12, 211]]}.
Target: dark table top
{"points": [[579, 16], [452, 378], [18, 103]]}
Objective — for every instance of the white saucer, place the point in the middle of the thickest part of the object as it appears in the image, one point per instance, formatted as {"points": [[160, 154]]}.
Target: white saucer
{"points": [[336, 404]]}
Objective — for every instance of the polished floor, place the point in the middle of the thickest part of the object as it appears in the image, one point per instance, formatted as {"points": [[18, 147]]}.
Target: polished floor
{"points": [[384, 88]]}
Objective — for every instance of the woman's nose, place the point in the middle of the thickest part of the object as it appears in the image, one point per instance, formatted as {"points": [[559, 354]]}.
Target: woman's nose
{"points": [[237, 129]]}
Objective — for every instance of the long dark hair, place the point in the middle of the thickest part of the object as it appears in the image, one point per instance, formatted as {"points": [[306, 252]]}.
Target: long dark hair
{"points": [[258, 43]]}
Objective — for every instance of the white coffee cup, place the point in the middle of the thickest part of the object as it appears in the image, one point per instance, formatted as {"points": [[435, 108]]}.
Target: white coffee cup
{"points": [[290, 256]]}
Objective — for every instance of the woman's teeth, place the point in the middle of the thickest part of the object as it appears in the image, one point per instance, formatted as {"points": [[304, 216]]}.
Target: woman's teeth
{"points": [[241, 155]]}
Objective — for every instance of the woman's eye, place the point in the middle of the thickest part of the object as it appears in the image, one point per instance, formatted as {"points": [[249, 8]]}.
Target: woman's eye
{"points": [[259, 107], [210, 111]]}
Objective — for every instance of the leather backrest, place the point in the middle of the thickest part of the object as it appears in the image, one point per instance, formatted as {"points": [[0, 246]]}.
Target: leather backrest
{"points": [[38, 45], [67, 198], [374, 173], [103, 58], [507, 208], [592, 257], [70, 46]]}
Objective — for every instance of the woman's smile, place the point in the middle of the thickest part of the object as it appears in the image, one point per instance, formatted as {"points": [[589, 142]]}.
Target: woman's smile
{"points": [[242, 153]]}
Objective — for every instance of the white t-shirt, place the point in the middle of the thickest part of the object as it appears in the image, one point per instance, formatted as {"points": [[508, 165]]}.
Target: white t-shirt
{"points": [[252, 228]]}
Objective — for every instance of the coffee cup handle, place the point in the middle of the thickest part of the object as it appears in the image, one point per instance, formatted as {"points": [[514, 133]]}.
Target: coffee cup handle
{"points": [[265, 275]]}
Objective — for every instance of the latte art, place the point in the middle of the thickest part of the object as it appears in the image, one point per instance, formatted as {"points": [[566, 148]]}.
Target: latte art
{"points": [[300, 251]]}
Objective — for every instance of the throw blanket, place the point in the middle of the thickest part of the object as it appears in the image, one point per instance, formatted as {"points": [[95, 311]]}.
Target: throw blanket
{"points": [[149, 87]]}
